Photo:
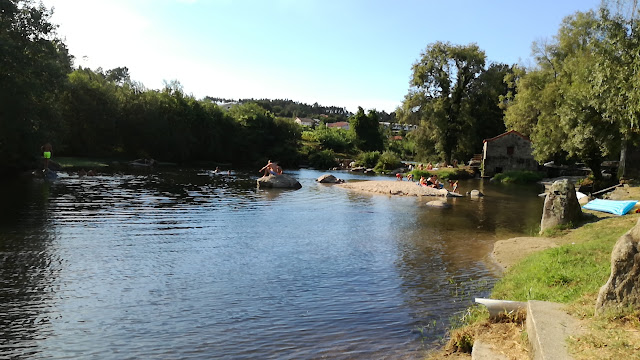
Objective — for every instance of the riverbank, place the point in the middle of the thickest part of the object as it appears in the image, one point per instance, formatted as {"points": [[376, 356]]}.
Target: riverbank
{"points": [[567, 268]]}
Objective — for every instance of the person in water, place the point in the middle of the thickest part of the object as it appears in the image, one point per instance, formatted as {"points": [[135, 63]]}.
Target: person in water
{"points": [[46, 149]]}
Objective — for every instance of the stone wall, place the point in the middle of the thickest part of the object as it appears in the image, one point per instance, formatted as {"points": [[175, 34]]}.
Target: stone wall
{"points": [[507, 152]]}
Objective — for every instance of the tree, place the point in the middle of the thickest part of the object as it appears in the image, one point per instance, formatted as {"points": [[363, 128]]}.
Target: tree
{"points": [[366, 130], [34, 67], [579, 101], [439, 95], [485, 97]]}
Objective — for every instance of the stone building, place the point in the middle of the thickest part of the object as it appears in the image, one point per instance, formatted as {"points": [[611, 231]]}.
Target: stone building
{"points": [[505, 152]]}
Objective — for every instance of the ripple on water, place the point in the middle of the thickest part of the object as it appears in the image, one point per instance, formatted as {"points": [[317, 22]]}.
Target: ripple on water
{"points": [[178, 265]]}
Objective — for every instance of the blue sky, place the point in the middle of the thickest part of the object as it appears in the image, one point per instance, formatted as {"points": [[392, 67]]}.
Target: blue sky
{"points": [[345, 53]]}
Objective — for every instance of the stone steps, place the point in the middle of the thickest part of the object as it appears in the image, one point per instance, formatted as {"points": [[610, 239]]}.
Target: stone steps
{"points": [[548, 328]]}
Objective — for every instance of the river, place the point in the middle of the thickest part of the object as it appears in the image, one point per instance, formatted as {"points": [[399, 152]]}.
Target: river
{"points": [[185, 264]]}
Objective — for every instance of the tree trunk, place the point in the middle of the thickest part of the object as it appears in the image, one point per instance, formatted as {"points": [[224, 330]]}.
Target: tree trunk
{"points": [[622, 165]]}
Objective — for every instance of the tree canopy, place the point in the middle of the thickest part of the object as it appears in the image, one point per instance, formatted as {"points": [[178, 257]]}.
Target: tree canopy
{"points": [[34, 65], [581, 100], [439, 98]]}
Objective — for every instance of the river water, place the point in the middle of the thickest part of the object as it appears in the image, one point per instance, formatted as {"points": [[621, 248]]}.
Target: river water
{"points": [[182, 264]]}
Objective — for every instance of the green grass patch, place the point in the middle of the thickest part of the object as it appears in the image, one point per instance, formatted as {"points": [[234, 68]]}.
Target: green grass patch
{"points": [[518, 177], [564, 274]]}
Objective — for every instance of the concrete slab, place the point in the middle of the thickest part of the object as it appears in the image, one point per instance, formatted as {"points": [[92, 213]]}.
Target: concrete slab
{"points": [[484, 351], [548, 327]]}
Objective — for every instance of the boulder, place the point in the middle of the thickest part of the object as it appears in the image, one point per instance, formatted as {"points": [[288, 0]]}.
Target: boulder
{"points": [[282, 181], [438, 204], [329, 179], [623, 287], [475, 193], [561, 205]]}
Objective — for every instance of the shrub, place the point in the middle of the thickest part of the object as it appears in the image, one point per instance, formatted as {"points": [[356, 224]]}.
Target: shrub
{"points": [[518, 177], [309, 136], [324, 159], [334, 139], [368, 159], [388, 161]]}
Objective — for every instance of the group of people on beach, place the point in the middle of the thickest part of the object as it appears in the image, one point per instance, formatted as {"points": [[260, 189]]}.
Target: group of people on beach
{"points": [[431, 181], [430, 166]]}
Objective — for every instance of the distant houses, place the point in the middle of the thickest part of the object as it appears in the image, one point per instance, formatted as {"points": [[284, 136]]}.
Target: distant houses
{"points": [[395, 127], [339, 125], [306, 121], [508, 151]]}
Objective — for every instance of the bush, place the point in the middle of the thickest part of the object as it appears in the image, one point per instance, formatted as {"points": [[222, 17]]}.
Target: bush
{"points": [[368, 159], [518, 177], [388, 161], [309, 136], [324, 159], [334, 139]]}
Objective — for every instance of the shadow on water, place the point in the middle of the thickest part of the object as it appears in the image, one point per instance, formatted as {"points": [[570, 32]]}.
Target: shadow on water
{"points": [[190, 263]]}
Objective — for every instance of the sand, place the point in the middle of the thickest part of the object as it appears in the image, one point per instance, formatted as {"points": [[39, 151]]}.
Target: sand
{"points": [[398, 188]]}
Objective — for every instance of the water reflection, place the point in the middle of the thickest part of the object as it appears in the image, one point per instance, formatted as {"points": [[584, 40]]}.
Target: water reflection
{"points": [[186, 264]]}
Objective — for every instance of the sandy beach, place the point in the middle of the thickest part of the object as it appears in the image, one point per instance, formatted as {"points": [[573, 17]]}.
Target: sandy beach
{"points": [[398, 188]]}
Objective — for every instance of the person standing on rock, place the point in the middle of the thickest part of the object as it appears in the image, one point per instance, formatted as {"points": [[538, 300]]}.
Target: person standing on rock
{"points": [[46, 149]]}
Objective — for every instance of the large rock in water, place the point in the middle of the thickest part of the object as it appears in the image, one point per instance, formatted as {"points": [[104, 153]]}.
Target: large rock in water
{"points": [[623, 287], [329, 179], [560, 205], [279, 181]]}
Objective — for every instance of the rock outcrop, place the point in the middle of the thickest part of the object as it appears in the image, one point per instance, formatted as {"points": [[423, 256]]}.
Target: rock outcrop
{"points": [[623, 287], [475, 193], [329, 179], [561, 205], [282, 181], [438, 204]]}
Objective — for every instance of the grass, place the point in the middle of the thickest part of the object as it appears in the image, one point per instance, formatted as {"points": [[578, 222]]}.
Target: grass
{"points": [[571, 274], [518, 177]]}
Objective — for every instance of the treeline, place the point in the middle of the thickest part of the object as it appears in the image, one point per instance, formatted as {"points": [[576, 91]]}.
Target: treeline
{"points": [[291, 109], [86, 112], [579, 103], [105, 115]]}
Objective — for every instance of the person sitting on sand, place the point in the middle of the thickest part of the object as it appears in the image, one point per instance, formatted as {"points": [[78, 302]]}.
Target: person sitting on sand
{"points": [[429, 166], [423, 181], [433, 182]]}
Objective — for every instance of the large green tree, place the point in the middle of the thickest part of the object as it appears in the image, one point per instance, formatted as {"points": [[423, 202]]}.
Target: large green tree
{"points": [[34, 64], [439, 96], [366, 130], [579, 100]]}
